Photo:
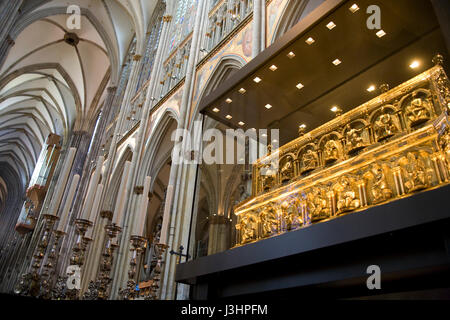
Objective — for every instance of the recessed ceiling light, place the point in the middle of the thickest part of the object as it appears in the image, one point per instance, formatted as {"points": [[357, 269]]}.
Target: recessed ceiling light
{"points": [[268, 106], [242, 90], [302, 126], [331, 25], [228, 100], [337, 62], [241, 123], [274, 140], [371, 88], [291, 55], [336, 110], [257, 79], [216, 110], [354, 8], [414, 64], [228, 117], [264, 135], [310, 41], [381, 34], [299, 86], [273, 67]]}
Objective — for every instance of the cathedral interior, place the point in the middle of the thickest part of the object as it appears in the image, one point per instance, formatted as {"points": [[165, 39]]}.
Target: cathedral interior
{"points": [[344, 165]]}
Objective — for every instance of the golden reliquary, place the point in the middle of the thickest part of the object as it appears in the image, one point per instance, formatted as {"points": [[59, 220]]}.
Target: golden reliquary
{"points": [[386, 149]]}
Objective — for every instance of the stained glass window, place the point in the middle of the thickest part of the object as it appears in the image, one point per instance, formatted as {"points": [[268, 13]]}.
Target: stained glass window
{"points": [[183, 22]]}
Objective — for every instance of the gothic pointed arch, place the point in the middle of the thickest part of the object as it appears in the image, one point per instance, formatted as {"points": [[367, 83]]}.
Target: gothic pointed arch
{"points": [[160, 135], [225, 68], [293, 12]]}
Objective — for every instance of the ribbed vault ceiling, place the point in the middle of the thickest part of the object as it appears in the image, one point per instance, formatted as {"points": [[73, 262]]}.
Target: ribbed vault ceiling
{"points": [[50, 86]]}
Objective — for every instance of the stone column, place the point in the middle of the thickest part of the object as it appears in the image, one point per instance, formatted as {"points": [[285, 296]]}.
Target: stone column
{"points": [[107, 113], [81, 141], [9, 12], [124, 109], [219, 234], [93, 257], [5, 46], [257, 27], [263, 25], [182, 177], [137, 176], [91, 265]]}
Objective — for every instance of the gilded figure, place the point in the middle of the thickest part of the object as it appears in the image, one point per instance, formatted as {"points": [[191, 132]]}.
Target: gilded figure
{"points": [[287, 170], [309, 161], [354, 139], [415, 173], [292, 214], [269, 221], [384, 126], [379, 189], [418, 111], [267, 178], [347, 197], [318, 204], [331, 151], [248, 227]]}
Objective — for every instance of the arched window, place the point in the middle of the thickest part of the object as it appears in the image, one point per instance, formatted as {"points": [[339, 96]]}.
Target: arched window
{"points": [[153, 37], [183, 22]]}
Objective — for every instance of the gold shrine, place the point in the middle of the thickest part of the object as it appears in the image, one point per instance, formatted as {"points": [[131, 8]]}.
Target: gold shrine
{"points": [[386, 149]]}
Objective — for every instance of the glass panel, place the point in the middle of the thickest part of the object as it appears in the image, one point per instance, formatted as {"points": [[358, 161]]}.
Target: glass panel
{"points": [[224, 180]]}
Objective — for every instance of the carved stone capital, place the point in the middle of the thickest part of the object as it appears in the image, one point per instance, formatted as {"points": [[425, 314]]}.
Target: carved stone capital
{"points": [[167, 18], [138, 189], [10, 40], [106, 214]]}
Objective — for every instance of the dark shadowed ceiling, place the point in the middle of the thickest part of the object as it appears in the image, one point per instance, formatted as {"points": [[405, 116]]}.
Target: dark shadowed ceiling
{"points": [[412, 33]]}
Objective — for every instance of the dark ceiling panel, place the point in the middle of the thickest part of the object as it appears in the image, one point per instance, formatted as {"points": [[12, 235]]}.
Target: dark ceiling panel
{"points": [[412, 32]]}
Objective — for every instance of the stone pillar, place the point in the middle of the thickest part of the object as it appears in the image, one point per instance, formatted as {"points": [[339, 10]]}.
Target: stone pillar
{"points": [[219, 234], [180, 174], [124, 109], [9, 12], [91, 265], [94, 260], [81, 141], [257, 27], [263, 25], [5, 46], [137, 176]]}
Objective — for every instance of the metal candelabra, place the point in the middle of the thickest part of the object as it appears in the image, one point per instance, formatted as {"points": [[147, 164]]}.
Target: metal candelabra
{"points": [[138, 244], [30, 282], [98, 290], [50, 265], [78, 253], [153, 294]]}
